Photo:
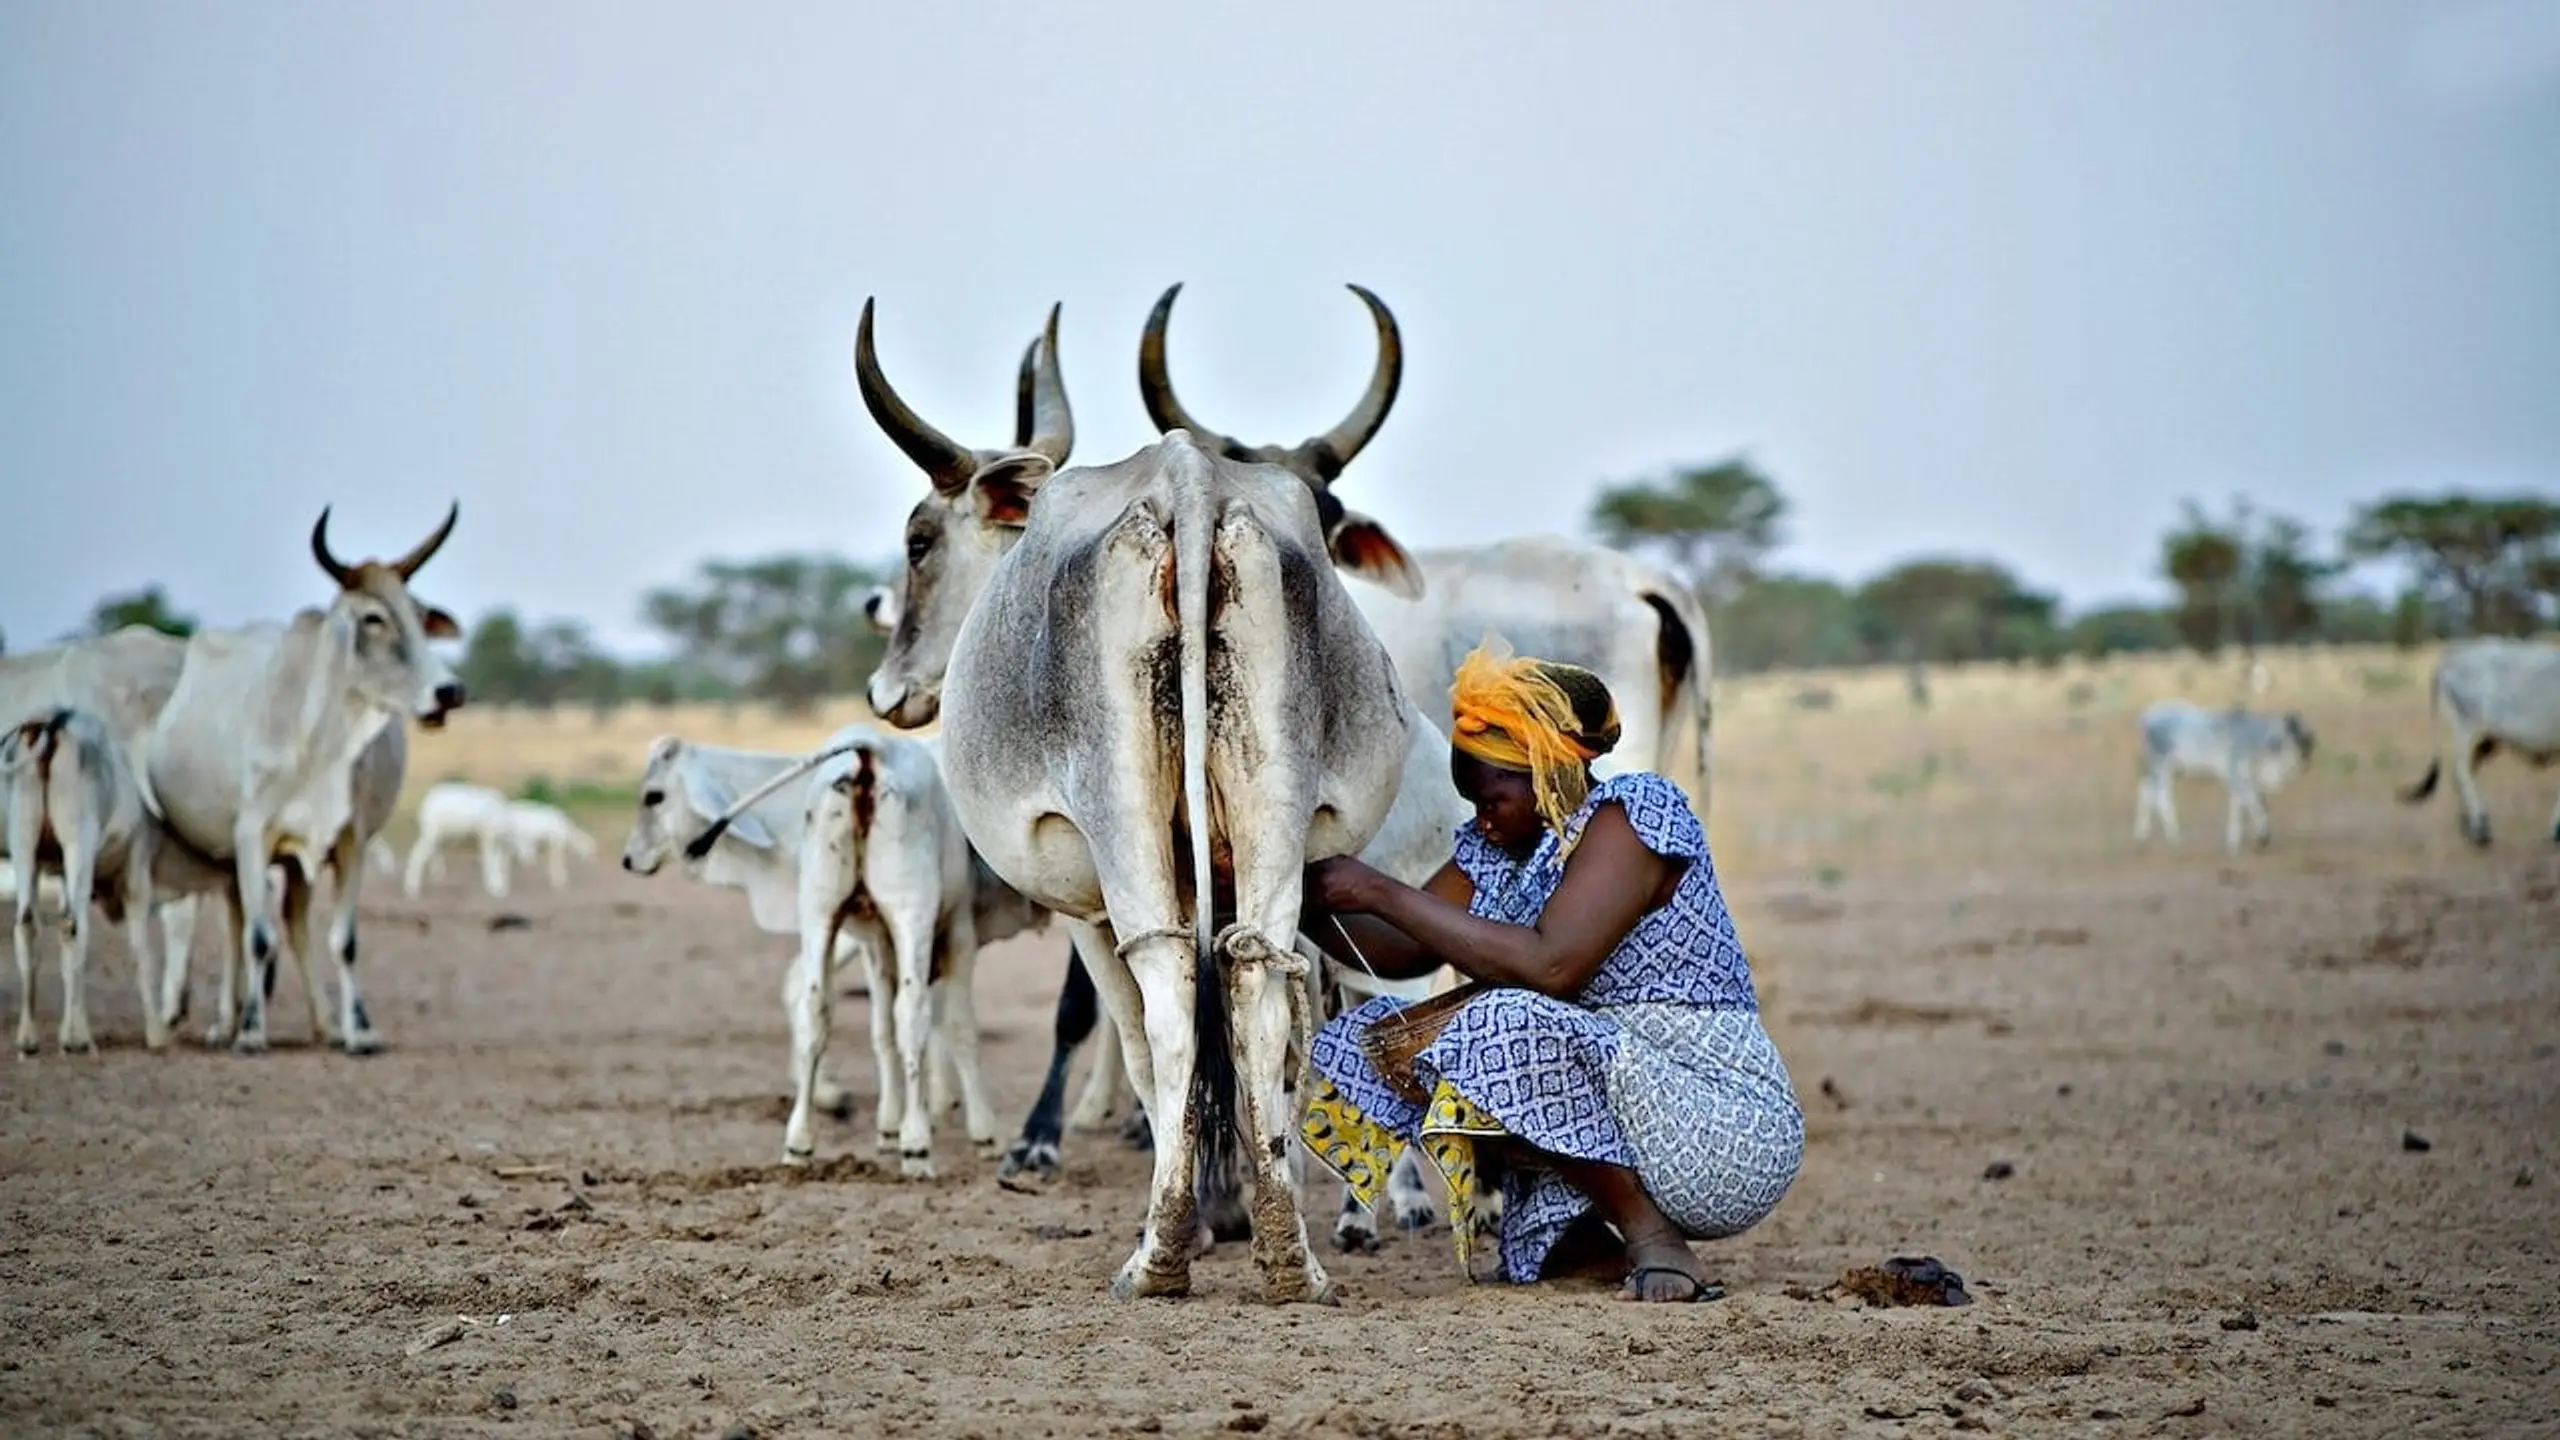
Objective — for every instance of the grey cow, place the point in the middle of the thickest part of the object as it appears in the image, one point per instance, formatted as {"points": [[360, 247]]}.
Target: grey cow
{"points": [[2251, 754], [2489, 694]]}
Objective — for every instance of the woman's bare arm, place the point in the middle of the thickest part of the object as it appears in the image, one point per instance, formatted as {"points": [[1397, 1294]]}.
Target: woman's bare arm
{"points": [[1381, 949], [1609, 883]]}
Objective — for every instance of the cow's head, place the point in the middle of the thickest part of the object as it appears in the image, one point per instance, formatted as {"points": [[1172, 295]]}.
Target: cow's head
{"points": [[2287, 750], [384, 629], [956, 534], [678, 794], [1358, 544]]}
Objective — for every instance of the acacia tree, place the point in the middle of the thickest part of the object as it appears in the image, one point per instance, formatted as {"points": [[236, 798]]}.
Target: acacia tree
{"points": [[1712, 522], [147, 606], [2490, 565]]}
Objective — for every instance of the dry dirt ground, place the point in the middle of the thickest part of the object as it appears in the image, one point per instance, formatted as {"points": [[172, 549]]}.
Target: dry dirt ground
{"points": [[2283, 1136]]}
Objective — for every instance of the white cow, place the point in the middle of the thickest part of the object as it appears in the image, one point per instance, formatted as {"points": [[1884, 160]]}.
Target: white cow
{"points": [[380, 858], [253, 759], [75, 812], [1156, 658], [1632, 624], [2249, 753], [545, 834], [2488, 694], [452, 811], [882, 884]]}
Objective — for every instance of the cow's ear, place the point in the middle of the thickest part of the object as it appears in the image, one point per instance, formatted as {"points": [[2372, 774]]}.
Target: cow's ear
{"points": [[1005, 489], [439, 625], [1363, 547]]}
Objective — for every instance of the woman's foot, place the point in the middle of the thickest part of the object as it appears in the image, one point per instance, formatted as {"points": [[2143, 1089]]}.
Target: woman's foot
{"points": [[1664, 1271]]}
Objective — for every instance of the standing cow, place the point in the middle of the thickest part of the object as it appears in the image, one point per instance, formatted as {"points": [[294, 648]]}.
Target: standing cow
{"points": [[253, 759], [1155, 658], [2252, 755], [2488, 694]]}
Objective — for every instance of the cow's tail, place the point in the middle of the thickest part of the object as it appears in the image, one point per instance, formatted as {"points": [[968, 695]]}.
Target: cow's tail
{"points": [[701, 844], [34, 744], [2440, 704], [1687, 720], [1214, 1094]]}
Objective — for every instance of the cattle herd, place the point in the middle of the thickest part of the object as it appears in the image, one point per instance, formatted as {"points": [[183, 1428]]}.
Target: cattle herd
{"points": [[1162, 686]]}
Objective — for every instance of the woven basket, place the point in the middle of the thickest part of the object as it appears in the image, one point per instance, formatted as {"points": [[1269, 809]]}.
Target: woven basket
{"points": [[1393, 1042]]}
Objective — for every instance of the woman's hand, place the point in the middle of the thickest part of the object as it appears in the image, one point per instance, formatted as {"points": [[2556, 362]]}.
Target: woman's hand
{"points": [[1345, 883]]}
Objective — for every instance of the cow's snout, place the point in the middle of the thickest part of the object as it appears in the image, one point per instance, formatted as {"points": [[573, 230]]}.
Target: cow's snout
{"points": [[446, 698]]}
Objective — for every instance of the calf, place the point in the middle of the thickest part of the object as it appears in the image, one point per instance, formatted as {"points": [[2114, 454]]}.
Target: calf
{"points": [[2488, 694], [858, 857], [75, 812], [2249, 753]]}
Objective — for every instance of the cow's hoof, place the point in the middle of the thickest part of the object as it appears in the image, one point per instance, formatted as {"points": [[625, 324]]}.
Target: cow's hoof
{"points": [[1349, 1239], [27, 1045], [249, 1045], [885, 1145], [988, 1148], [1420, 1217], [215, 1037], [1294, 1286], [364, 1042], [1038, 1159], [1135, 1282], [916, 1164], [798, 1157], [83, 1045]]}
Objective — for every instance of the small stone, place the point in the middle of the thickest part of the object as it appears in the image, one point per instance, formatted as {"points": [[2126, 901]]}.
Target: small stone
{"points": [[2103, 1413], [1998, 1170], [2333, 1047], [2245, 1320], [2192, 1407], [2063, 1089], [503, 1400], [2416, 1143], [740, 1431], [1976, 1392], [1972, 1422], [638, 1430], [2325, 1402], [1249, 1422], [2524, 1179]]}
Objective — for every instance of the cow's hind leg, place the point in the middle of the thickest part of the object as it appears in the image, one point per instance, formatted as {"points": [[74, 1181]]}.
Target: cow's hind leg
{"points": [[22, 938], [258, 936], [79, 884], [178, 943], [2467, 755], [956, 1027], [809, 995], [1036, 1150]]}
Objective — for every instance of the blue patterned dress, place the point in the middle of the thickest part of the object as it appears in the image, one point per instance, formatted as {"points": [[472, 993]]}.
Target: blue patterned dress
{"points": [[1660, 1064]]}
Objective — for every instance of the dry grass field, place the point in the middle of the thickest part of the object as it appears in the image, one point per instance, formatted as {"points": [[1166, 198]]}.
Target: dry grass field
{"points": [[2254, 1145]]}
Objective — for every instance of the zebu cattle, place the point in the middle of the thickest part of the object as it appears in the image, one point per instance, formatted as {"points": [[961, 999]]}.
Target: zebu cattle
{"points": [[380, 858], [2249, 753], [1155, 658], [253, 759], [75, 812], [857, 860], [2488, 694], [454, 810], [545, 834], [1632, 624], [123, 679], [375, 790]]}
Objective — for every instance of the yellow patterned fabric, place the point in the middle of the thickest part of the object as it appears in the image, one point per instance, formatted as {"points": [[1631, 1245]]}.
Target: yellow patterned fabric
{"points": [[1361, 1152]]}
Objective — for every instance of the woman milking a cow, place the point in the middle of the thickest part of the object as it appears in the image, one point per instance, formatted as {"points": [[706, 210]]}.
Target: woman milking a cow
{"points": [[1604, 1067]]}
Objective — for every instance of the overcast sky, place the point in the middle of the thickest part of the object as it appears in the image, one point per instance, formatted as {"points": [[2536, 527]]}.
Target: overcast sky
{"points": [[1971, 277]]}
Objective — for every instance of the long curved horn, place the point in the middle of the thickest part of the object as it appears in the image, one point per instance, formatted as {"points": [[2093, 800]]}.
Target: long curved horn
{"points": [[1155, 387], [320, 551], [943, 460], [407, 565], [1048, 426], [1357, 429]]}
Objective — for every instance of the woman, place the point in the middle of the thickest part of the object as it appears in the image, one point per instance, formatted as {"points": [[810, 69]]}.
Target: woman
{"points": [[1608, 1059]]}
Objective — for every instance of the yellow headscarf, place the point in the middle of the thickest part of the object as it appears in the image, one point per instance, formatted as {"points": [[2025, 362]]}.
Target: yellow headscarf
{"points": [[1514, 712]]}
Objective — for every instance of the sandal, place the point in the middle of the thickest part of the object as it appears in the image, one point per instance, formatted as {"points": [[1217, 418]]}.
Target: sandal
{"points": [[1632, 1288]]}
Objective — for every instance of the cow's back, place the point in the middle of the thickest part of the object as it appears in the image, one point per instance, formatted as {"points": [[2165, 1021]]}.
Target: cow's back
{"points": [[2509, 687]]}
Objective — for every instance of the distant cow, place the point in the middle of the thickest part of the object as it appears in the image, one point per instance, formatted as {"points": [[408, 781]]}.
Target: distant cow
{"points": [[2251, 754], [545, 834], [2490, 693], [451, 811]]}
